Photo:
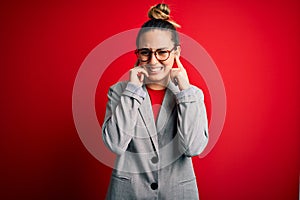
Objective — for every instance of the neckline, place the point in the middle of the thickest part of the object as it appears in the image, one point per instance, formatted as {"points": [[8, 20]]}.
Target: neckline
{"points": [[159, 90]]}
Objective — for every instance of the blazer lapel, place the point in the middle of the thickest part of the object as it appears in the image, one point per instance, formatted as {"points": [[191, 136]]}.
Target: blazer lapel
{"points": [[147, 115], [167, 106]]}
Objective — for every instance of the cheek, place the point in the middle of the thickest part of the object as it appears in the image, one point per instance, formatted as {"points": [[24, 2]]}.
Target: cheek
{"points": [[167, 70]]}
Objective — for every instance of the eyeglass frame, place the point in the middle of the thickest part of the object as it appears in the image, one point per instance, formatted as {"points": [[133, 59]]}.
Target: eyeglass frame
{"points": [[155, 53]]}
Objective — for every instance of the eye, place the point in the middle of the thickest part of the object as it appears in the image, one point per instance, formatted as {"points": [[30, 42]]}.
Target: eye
{"points": [[144, 52], [162, 52]]}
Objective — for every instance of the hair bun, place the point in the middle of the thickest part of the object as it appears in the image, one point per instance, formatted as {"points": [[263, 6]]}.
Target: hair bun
{"points": [[159, 11], [162, 11]]}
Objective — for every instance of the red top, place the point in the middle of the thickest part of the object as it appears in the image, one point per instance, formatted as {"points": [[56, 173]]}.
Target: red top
{"points": [[156, 97]]}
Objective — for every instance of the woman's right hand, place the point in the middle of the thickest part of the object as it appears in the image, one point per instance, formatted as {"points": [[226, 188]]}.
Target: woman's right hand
{"points": [[137, 75]]}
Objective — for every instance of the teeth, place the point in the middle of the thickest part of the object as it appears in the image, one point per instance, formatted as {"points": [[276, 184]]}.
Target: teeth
{"points": [[155, 69]]}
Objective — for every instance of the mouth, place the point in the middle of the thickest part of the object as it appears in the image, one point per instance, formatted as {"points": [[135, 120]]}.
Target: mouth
{"points": [[155, 69]]}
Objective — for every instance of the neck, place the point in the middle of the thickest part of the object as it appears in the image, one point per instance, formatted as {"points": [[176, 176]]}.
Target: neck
{"points": [[161, 85], [154, 86]]}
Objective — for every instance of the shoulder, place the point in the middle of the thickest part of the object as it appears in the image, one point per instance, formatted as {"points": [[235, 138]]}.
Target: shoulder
{"points": [[118, 87], [197, 90], [190, 94], [193, 89]]}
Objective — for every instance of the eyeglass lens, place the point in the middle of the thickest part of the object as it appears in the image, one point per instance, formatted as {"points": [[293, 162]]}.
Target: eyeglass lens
{"points": [[160, 54]]}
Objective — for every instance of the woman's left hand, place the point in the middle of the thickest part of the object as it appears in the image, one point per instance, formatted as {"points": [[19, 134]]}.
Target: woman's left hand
{"points": [[179, 76]]}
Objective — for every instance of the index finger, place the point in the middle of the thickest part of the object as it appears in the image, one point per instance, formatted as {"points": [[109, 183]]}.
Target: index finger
{"points": [[141, 70], [180, 66]]}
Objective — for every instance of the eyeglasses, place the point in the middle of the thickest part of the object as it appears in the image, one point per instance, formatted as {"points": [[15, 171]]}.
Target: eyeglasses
{"points": [[144, 54]]}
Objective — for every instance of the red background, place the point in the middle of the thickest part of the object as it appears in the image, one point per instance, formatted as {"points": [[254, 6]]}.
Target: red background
{"points": [[255, 46]]}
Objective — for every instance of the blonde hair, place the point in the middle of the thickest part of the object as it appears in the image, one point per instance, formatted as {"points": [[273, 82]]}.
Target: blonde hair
{"points": [[162, 11]]}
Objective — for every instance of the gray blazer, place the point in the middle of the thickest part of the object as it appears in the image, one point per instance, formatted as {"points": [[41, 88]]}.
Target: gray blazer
{"points": [[154, 158]]}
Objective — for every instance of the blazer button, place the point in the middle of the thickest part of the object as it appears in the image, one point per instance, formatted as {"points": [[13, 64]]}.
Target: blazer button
{"points": [[154, 186], [154, 159]]}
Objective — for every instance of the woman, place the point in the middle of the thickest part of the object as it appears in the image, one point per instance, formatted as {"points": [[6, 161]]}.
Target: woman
{"points": [[156, 121]]}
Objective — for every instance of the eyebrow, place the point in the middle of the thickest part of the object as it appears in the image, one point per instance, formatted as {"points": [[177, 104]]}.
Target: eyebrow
{"points": [[163, 48]]}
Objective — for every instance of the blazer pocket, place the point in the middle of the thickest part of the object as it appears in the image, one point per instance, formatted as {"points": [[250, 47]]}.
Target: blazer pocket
{"points": [[121, 178], [120, 188], [189, 189]]}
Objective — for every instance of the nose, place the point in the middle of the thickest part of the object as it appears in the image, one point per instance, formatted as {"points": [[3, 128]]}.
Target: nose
{"points": [[153, 59]]}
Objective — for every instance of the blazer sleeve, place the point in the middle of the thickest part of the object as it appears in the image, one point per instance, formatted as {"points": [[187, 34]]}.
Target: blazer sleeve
{"points": [[192, 125], [124, 100]]}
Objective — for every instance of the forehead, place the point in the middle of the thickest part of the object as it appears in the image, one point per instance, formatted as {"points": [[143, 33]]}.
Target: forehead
{"points": [[156, 39]]}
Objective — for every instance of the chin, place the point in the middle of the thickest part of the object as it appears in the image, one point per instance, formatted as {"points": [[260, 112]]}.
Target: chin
{"points": [[157, 79]]}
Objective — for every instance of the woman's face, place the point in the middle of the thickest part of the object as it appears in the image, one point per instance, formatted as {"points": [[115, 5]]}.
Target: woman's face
{"points": [[159, 71]]}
